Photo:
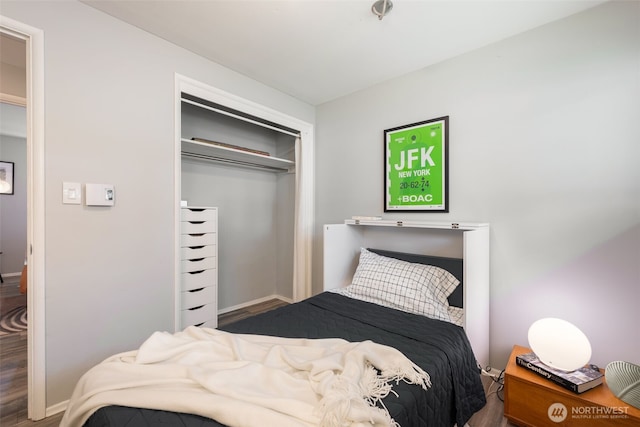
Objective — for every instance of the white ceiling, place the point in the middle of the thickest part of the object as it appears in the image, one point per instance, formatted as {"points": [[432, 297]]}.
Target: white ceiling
{"points": [[319, 50]]}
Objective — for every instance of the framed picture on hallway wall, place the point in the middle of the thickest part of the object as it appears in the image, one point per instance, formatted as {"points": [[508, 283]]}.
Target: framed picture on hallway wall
{"points": [[6, 177], [416, 167]]}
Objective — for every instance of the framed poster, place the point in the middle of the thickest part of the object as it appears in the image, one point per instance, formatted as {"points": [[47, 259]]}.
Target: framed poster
{"points": [[416, 167], [6, 177]]}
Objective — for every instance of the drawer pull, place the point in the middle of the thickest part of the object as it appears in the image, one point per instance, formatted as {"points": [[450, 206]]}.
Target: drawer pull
{"points": [[196, 308], [196, 222], [195, 259], [198, 324], [196, 209], [196, 234], [196, 247], [196, 290], [196, 272]]}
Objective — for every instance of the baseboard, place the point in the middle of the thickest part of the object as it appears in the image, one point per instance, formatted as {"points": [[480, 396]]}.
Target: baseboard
{"points": [[56, 409], [254, 302]]}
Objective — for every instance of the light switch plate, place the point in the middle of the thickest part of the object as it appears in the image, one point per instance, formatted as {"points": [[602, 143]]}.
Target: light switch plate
{"points": [[71, 193], [99, 194]]}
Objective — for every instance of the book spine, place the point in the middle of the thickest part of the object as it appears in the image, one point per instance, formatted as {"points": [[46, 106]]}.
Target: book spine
{"points": [[548, 375]]}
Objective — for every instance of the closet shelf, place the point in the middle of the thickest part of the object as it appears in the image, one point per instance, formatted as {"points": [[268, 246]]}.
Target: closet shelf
{"points": [[215, 153]]}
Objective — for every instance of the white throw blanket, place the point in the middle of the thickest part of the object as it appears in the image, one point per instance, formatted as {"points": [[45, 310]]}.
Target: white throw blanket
{"points": [[249, 380]]}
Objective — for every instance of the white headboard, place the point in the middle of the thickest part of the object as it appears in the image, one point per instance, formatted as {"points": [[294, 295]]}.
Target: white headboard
{"points": [[468, 241]]}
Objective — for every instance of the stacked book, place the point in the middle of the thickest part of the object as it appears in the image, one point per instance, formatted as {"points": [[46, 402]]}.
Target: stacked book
{"points": [[577, 381]]}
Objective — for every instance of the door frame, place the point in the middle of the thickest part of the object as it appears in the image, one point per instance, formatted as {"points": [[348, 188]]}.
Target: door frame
{"points": [[36, 361]]}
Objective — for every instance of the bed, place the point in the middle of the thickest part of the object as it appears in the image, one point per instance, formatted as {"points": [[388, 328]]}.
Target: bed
{"points": [[440, 347]]}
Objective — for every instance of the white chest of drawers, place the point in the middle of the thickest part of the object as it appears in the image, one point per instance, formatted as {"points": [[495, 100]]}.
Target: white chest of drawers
{"points": [[198, 267]]}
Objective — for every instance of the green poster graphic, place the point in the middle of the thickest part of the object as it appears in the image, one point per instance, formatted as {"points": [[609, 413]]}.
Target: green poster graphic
{"points": [[416, 167]]}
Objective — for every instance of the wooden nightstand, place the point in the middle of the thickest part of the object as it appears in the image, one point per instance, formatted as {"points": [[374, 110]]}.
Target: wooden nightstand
{"points": [[532, 401]]}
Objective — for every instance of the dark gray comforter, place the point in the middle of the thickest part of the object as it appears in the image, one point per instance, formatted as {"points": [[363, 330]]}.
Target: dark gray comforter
{"points": [[440, 348]]}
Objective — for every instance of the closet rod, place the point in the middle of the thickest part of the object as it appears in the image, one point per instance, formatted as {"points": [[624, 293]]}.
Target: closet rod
{"points": [[236, 116], [231, 161]]}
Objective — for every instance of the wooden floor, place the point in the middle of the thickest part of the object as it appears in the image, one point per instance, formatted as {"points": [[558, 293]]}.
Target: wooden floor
{"points": [[13, 380], [13, 365], [252, 310], [492, 415]]}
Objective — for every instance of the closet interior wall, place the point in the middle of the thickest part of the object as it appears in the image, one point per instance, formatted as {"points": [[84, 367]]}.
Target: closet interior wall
{"points": [[256, 207]]}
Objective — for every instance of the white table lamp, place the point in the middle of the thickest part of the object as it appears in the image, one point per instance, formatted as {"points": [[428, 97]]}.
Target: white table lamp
{"points": [[559, 344]]}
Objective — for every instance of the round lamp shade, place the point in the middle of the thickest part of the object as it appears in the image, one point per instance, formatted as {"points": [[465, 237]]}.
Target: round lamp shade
{"points": [[559, 344]]}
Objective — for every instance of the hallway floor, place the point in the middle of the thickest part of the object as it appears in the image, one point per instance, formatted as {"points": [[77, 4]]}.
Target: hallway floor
{"points": [[13, 359]]}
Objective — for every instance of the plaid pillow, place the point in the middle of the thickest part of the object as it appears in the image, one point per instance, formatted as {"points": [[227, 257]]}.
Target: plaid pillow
{"points": [[414, 288], [457, 316]]}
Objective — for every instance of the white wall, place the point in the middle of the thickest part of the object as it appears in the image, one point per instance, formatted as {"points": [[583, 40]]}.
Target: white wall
{"points": [[544, 146], [13, 207], [109, 101]]}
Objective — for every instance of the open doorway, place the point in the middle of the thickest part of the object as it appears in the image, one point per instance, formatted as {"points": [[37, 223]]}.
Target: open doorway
{"points": [[13, 225], [13, 161], [30, 41]]}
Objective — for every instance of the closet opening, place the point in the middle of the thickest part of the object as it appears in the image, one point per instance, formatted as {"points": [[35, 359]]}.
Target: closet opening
{"points": [[248, 166]]}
